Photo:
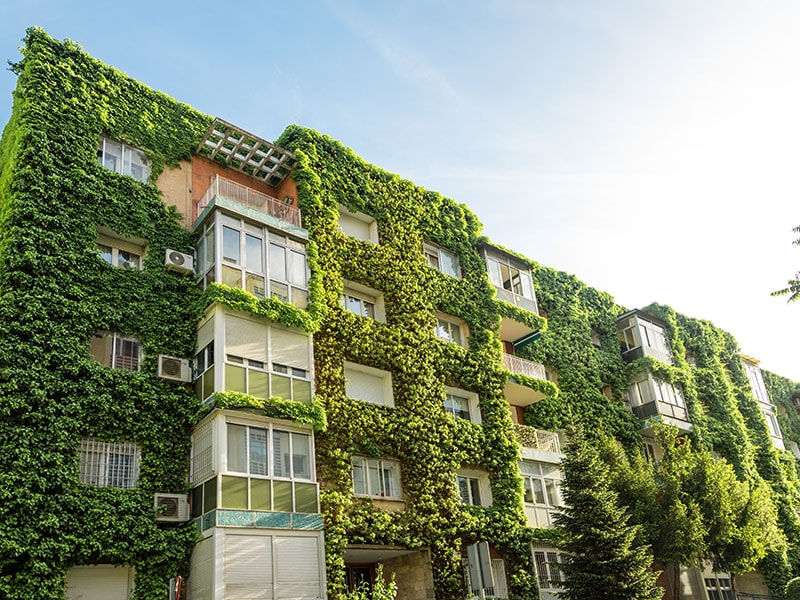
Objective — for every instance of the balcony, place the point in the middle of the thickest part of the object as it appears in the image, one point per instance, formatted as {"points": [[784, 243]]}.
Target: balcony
{"points": [[537, 439], [661, 412], [517, 300], [246, 201], [516, 392]]}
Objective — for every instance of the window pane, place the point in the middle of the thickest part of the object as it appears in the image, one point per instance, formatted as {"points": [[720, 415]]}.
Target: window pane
{"points": [[209, 247], [281, 386], [505, 276], [105, 253], [260, 494], [255, 285], [449, 262], [297, 269], [300, 298], [254, 254], [258, 383], [475, 490], [230, 244], [391, 479], [237, 448], [280, 454], [235, 379], [209, 495], [528, 490], [305, 497], [127, 260], [374, 478], [359, 476], [527, 285], [279, 290], [112, 158], [231, 276], [283, 496], [354, 305], [494, 272], [463, 490], [258, 451], [538, 491], [369, 309], [552, 493], [234, 492], [277, 262], [301, 456], [301, 391]]}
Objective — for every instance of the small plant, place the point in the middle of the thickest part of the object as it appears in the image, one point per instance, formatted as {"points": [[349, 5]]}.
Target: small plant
{"points": [[793, 589], [381, 589]]}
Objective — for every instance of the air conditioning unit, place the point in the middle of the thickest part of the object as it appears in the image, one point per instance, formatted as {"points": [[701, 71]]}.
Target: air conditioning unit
{"points": [[171, 508], [178, 262], [174, 369]]}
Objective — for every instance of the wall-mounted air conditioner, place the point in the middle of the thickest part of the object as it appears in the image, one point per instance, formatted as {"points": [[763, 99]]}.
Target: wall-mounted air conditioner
{"points": [[178, 262], [174, 369], [171, 508]]}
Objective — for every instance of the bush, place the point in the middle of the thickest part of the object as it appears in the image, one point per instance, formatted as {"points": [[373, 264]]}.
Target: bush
{"points": [[381, 590], [793, 589]]}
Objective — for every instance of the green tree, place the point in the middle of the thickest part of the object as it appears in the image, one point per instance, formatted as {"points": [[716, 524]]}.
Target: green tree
{"points": [[793, 287], [603, 559]]}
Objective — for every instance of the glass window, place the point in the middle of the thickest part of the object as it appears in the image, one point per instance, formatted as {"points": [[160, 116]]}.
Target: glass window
{"points": [[109, 464], [449, 331], [442, 260], [118, 252], [115, 350], [379, 478], [503, 274], [469, 490], [542, 483], [121, 158]]}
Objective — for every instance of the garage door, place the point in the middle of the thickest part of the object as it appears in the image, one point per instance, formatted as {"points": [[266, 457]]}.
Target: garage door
{"points": [[99, 582]]}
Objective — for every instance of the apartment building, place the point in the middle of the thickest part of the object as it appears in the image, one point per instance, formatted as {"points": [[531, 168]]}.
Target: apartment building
{"points": [[264, 369]]}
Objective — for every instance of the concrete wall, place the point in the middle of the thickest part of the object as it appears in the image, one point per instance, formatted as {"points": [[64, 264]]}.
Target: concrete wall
{"points": [[413, 576]]}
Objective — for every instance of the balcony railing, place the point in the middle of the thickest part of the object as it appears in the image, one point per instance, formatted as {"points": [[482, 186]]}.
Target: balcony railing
{"points": [[250, 198], [518, 365], [651, 409], [517, 300], [530, 437]]}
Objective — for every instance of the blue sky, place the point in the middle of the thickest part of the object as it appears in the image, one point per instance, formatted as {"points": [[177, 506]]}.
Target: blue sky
{"points": [[650, 148]]}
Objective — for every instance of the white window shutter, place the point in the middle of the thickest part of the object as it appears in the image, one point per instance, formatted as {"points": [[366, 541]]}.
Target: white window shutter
{"points": [[298, 575], [248, 567]]}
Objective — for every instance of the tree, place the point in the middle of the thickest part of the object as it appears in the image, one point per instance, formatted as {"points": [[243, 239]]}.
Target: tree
{"points": [[603, 560], [793, 287]]}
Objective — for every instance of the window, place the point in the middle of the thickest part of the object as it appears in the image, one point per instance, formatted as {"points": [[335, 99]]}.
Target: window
{"points": [[109, 464], [358, 225], [450, 330], [548, 568], [718, 586], [462, 404], [473, 487], [636, 332], [756, 382], [442, 260], [258, 358], [268, 469], [542, 482], [511, 277], [119, 251], [379, 478], [655, 390], [115, 350], [123, 159], [363, 301], [254, 258], [368, 384]]}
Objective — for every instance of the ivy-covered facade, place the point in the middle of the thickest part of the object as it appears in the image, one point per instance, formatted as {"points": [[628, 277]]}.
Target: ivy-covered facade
{"points": [[267, 368]]}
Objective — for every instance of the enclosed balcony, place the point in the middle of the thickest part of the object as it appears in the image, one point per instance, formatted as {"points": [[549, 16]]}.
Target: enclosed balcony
{"points": [[656, 401], [517, 391], [538, 444], [641, 334]]}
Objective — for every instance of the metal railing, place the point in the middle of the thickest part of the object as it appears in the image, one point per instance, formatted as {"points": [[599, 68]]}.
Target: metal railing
{"points": [[538, 439], [250, 198], [517, 300], [518, 365]]}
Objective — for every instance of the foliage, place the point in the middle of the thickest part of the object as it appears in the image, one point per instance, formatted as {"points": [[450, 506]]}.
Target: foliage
{"points": [[274, 407], [793, 589], [793, 285], [603, 559], [381, 589], [56, 292]]}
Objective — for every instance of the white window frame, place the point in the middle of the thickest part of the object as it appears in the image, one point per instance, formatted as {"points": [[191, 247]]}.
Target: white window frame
{"points": [[350, 224], [548, 484], [100, 463], [523, 286], [118, 246], [388, 473], [548, 574], [451, 329], [123, 164], [437, 258], [475, 482], [473, 404], [362, 293], [756, 380], [385, 377], [239, 272], [115, 361]]}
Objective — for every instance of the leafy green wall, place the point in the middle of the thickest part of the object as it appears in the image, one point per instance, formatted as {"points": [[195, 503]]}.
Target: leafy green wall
{"points": [[55, 292]]}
